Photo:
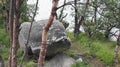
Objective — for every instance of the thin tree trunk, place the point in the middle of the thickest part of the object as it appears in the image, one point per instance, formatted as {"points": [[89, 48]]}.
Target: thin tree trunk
{"points": [[81, 19], [76, 20], [116, 53], [15, 37], [117, 49], [95, 13], [11, 16], [84, 12], [14, 44], [26, 45], [14, 27], [60, 16], [45, 35]]}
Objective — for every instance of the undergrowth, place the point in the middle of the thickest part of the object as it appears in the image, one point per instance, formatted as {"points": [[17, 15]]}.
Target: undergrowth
{"points": [[4, 38], [80, 64], [100, 49]]}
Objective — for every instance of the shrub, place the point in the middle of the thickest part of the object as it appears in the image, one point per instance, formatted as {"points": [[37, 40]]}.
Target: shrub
{"points": [[80, 64], [4, 38]]}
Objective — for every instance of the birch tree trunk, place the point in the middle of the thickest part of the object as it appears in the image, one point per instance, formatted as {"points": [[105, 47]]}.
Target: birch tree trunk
{"points": [[45, 35]]}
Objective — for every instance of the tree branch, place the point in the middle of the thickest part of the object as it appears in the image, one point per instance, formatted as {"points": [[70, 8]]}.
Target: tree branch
{"points": [[26, 45], [70, 3], [82, 18], [62, 11]]}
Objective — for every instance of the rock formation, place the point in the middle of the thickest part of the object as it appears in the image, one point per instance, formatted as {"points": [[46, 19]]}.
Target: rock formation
{"points": [[58, 41]]}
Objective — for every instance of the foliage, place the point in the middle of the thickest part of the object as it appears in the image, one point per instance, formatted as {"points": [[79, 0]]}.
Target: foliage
{"points": [[100, 49], [5, 53], [1, 17], [70, 35], [79, 64], [100, 15], [91, 43], [4, 38], [24, 12], [30, 64]]}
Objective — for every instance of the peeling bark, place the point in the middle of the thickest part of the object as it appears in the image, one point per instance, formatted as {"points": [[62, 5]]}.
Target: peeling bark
{"points": [[116, 54], [14, 16], [11, 16], [45, 35], [117, 49]]}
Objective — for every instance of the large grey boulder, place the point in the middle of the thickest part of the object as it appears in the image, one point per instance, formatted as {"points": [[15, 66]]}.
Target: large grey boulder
{"points": [[58, 41], [60, 60]]}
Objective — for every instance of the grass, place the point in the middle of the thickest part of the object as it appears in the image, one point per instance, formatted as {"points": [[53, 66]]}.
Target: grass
{"points": [[100, 49]]}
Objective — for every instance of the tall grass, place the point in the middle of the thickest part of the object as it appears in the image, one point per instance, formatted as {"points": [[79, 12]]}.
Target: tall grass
{"points": [[103, 53]]}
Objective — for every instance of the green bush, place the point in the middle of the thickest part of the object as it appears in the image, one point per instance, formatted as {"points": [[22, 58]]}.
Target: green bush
{"points": [[4, 38], [80, 64], [5, 53], [84, 40], [71, 36], [30, 64]]}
